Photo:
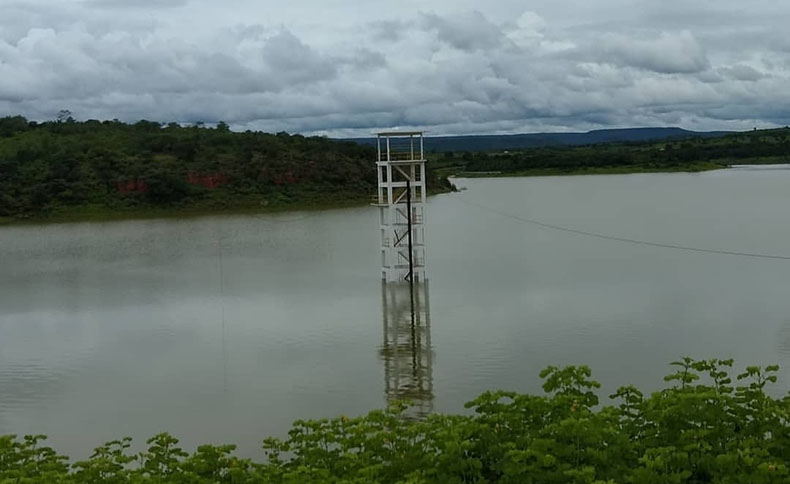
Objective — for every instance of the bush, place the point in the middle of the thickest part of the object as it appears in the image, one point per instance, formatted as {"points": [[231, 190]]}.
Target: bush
{"points": [[163, 189], [702, 429]]}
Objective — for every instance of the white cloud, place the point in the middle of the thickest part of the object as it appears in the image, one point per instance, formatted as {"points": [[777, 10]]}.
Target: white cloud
{"points": [[346, 67], [527, 30]]}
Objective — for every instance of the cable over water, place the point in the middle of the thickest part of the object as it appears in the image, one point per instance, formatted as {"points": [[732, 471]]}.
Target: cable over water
{"points": [[622, 239]]}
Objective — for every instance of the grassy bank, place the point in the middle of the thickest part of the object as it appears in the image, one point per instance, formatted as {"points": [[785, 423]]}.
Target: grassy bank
{"points": [[708, 425]]}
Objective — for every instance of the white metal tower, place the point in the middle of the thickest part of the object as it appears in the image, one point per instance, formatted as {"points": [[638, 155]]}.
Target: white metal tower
{"points": [[401, 201]]}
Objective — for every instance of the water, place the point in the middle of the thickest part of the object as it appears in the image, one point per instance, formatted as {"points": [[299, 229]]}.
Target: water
{"points": [[226, 329]]}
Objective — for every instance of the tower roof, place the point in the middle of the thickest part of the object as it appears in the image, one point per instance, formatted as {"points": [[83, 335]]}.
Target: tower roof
{"points": [[399, 133]]}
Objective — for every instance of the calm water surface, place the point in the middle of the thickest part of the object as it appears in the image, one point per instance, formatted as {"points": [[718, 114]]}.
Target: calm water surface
{"points": [[226, 329]]}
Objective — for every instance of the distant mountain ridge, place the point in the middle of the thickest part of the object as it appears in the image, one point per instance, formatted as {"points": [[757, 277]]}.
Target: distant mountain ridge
{"points": [[534, 140]]}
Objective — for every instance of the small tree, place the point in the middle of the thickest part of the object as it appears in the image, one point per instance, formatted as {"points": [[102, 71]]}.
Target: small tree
{"points": [[64, 116]]}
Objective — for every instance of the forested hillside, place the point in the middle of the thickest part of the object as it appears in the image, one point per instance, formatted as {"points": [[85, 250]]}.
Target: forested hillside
{"points": [[109, 167], [71, 169], [760, 146]]}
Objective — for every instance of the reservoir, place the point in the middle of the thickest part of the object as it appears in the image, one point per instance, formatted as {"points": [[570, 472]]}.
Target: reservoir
{"points": [[225, 329]]}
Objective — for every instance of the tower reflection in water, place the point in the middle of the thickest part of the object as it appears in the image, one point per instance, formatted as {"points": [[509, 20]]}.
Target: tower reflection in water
{"points": [[407, 353]]}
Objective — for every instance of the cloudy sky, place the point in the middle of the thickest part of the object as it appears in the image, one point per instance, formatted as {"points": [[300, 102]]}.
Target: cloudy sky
{"points": [[348, 67]]}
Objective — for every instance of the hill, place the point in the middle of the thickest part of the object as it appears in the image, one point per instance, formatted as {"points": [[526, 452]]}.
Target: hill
{"points": [[95, 168], [101, 169], [674, 154], [532, 140]]}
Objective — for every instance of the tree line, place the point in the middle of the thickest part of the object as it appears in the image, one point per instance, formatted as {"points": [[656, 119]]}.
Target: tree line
{"points": [[763, 146], [57, 166]]}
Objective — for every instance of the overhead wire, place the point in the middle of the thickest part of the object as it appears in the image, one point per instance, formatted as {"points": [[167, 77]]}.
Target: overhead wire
{"points": [[622, 239]]}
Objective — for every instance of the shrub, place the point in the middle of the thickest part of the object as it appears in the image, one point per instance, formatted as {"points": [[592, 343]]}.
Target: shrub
{"points": [[703, 428]]}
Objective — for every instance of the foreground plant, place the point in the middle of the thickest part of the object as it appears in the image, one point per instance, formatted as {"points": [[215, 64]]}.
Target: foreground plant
{"points": [[704, 428]]}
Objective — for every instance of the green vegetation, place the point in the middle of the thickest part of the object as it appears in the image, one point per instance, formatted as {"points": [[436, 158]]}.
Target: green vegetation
{"points": [[692, 154], [68, 170], [704, 428]]}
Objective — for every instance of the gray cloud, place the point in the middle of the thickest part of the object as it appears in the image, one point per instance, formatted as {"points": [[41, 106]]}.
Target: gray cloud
{"points": [[668, 53], [358, 67], [134, 3], [292, 62], [742, 72], [467, 31]]}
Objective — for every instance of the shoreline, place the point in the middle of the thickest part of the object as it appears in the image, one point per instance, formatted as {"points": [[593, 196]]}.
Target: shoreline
{"points": [[99, 214], [609, 170]]}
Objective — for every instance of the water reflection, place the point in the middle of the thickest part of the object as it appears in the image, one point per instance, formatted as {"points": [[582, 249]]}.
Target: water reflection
{"points": [[783, 340], [406, 352]]}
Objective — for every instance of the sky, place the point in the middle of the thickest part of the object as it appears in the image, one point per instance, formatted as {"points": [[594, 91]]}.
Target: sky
{"points": [[351, 67]]}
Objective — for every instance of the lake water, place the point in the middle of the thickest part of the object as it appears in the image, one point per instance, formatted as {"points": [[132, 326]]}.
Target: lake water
{"points": [[226, 329]]}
